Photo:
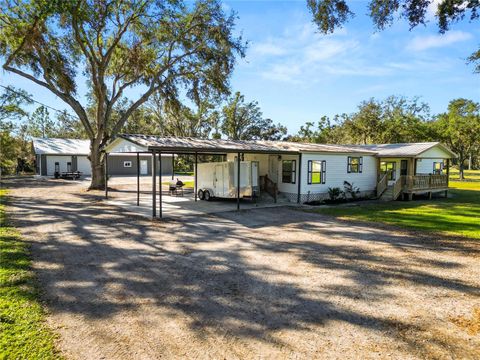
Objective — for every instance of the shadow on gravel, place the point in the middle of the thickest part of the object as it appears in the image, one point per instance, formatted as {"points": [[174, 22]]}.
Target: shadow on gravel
{"points": [[217, 287]]}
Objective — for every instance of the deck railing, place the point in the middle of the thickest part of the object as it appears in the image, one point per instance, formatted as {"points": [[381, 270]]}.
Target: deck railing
{"points": [[382, 184], [269, 186], [425, 182], [397, 188]]}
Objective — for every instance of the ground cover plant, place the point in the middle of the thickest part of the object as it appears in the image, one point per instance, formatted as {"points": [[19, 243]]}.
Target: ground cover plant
{"points": [[24, 334]]}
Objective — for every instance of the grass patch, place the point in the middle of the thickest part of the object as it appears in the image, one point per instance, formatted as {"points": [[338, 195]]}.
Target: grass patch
{"points": [[186, 184], [470, 175], [457, 215], [24, 334]]}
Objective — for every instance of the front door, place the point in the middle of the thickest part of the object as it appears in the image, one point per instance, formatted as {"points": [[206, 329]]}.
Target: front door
{"points": [[143, 167], [273, 168], [404, 167]]}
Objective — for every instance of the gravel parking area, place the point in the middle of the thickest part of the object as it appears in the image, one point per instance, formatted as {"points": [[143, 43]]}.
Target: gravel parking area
{"points": [[265, 283]]}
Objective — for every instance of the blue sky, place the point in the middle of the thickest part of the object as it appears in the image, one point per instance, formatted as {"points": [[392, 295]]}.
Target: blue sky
{"points": [[298, 75]]}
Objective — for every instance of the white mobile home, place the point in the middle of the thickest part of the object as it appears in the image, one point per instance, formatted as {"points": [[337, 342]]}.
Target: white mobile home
{"points": [[304, 172]]}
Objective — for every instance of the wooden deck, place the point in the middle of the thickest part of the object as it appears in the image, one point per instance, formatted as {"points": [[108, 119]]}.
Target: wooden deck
{"points": [[413, 184], [424, 183]]}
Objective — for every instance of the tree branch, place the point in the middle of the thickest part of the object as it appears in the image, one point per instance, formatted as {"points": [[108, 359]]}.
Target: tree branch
{"points": [[74, 104]]}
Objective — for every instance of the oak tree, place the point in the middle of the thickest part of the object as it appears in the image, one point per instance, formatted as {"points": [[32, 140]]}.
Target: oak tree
{"points": [[134, 47]]}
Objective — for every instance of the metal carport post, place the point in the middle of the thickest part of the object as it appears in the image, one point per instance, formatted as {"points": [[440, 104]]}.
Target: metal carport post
{"points": [[106, 175], [154, 186], [160, 183], [238, 182], [138, 179], [299, 177], [195, 185]]}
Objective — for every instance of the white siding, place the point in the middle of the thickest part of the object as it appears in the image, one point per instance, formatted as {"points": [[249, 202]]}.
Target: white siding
{"points": [[435, 153], [336, 173], [83, 165], [261, 158], [122, 145], [62, 161], [425, 166]]}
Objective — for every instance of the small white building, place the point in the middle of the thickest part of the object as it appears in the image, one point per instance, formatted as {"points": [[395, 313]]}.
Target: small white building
{"points": [[66, 155]]}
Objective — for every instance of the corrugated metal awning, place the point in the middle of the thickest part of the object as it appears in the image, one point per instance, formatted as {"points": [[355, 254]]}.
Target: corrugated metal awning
{"points": [[193, 145]]}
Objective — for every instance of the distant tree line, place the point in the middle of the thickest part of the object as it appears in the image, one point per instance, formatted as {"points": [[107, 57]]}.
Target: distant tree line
{"points": [[392, 120], [401, 120]]}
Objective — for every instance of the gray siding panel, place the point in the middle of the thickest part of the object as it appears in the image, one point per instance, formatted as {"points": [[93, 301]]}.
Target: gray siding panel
{"points": [[116, 165], [74, 163], [44, 164]]}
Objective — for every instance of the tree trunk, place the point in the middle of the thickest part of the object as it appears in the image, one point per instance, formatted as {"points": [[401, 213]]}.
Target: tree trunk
{"points": [[461, 167], [97, 161]]}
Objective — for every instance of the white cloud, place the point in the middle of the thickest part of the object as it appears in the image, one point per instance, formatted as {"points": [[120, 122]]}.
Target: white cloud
{"points": [[300, 53], [432, 9], [420, 43], [268, 48]]}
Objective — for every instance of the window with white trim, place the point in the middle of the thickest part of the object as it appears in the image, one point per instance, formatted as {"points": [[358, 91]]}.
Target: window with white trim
{"points": [[127, 164], [437, 168], [289, 171], [355, 164], [316, 172]]}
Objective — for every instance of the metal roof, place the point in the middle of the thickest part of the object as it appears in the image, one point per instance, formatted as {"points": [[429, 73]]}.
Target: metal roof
{"points": [[404, 149], [52, 146], [191, 145]]}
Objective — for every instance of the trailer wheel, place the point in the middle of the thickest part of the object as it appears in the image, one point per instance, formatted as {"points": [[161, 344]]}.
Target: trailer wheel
{"points": [[201, 194], [206, 195]]}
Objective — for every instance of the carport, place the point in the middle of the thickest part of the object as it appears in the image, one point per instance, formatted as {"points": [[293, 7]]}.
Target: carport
{"points": [[158, 146]]}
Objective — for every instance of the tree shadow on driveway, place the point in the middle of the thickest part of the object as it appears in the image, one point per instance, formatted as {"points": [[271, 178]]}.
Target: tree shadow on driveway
{"points": [[250, 275]]}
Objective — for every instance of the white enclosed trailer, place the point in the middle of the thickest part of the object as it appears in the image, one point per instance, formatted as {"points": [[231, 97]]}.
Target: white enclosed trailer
{"points": [[219, 179]]}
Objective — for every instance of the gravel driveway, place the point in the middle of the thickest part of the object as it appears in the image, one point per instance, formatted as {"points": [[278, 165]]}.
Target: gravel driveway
{"points": [[266, 283]]}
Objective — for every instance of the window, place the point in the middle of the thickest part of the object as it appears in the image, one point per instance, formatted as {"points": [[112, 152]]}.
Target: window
{"points": [[57, 167], [438, 168], [390, 167], [355, 164], [289, 171], [317, 171], [127, 164], [69, 166]]}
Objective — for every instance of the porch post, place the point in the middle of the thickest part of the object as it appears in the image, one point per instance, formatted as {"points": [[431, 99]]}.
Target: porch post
{"points": [[411, 166], [106, 175], [138, 179], [195, 175], [299, 177], [448, 172], [378, 169], [154, 185], [160, 184], [448, 176], [173, 166], [238, 181]]}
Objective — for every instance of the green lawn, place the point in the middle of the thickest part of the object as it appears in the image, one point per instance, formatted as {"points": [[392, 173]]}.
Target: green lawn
{"points": [[457, 215], [23, 333], [187, 184], [470, 175]]}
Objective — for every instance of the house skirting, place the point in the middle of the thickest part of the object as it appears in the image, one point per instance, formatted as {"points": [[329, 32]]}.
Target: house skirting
{"points": [[292, 197]]}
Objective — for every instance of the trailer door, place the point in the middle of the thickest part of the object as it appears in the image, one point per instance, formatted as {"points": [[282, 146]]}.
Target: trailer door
{"points": [[219, 182]]}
